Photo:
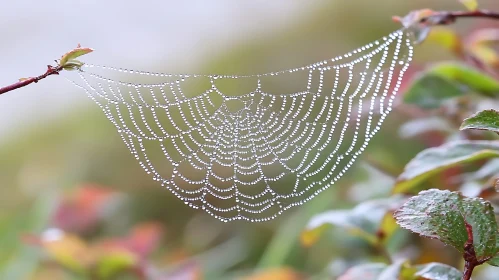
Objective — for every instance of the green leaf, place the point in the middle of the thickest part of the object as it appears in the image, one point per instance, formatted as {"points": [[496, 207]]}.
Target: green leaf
{"points": [[72, 65], [483, 120], [495, 260], [438, 271], [471, 5], [448, 80], [363, 221], [469, 77], [71, 55], [370, 271], [114, 263], [430, 90], [442, 215], [434, 160]]}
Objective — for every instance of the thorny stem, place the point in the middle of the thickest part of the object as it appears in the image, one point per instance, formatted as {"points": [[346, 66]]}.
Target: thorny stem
{"points": [[51, 70]]}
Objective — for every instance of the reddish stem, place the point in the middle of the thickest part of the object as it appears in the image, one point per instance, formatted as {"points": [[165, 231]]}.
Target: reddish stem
{"points": [[50, 71]]}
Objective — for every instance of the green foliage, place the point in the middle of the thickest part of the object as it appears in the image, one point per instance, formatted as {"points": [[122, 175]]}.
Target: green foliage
{"points": [[366, 220], [68, 61], [443, 215], [403, 271], [434, 160], [450, 80], [483, 120]]}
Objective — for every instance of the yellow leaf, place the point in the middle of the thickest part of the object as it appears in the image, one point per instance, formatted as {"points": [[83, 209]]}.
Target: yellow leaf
{"points": [[446, 38], [387, 228], [310, 236], [471, 5], [67, 249], [485, 54]]}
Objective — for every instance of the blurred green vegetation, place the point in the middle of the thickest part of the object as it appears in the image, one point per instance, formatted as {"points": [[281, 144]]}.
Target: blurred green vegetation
{"points": [[75, 174]]}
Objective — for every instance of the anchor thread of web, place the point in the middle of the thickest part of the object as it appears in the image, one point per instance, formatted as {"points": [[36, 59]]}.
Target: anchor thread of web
{"points": [[253, 155]]}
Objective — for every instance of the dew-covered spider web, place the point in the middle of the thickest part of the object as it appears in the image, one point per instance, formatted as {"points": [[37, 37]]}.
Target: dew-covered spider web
{"points": [[250, 147]]}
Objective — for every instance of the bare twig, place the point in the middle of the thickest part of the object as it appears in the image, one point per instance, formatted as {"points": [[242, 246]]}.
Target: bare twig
{"points": [[446, 18], [51, 70]]}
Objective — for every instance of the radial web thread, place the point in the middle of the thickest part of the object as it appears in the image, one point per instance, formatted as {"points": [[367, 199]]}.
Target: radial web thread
{"points": [[250, 147]]}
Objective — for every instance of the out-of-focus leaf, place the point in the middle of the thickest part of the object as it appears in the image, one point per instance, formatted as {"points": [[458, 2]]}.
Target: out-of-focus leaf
{"points": [[485, 54], [429, 90], [471, 5], [419, 126], [438, 271], [434, 160], [469, 77], [448, 80], [67, 249], [144, 238], [276, 273], [363, 221], [81, 210], [387, 228], [71, 55], [369, 271], [480, 46], [398, 270], [446, 38], [114, 262], [443, 215], [483, 120]]}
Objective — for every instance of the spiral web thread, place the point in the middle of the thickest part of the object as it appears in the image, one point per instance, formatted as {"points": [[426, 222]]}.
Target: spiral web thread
{"points": [[252, 155]]}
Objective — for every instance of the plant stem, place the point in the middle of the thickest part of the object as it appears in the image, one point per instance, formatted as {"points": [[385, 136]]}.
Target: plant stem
{"points": [[446, 18], [22, 83]]}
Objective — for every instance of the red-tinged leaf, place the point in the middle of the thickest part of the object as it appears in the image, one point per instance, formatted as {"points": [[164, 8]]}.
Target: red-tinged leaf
{"points": [[144, 238], [81, 210], [79, 51]]}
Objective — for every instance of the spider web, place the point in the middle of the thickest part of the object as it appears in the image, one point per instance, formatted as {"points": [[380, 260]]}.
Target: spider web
{"points": [[250, 147]]}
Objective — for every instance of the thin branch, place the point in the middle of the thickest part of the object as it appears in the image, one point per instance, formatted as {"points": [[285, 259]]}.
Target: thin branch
{"points": [[446, 18], [51, 70]]}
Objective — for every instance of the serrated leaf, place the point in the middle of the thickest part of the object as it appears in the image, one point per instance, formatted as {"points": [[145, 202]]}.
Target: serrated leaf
{"points": [[438, 271], [429, 90], [434, 160], [370, 271], [363, 221], [442, 215], [471, 5], [483, 120], [71, 55], [495, 260]]}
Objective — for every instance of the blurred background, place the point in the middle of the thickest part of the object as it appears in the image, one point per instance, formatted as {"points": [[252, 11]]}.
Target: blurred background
{"points": [[65, 174]]}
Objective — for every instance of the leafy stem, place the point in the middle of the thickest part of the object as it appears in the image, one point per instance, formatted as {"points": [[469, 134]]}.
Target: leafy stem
{"points": [[67, 62], [51, 70]]}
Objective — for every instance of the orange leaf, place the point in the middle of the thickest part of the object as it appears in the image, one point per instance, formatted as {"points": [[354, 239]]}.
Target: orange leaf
{"points": [[282, 273]]}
